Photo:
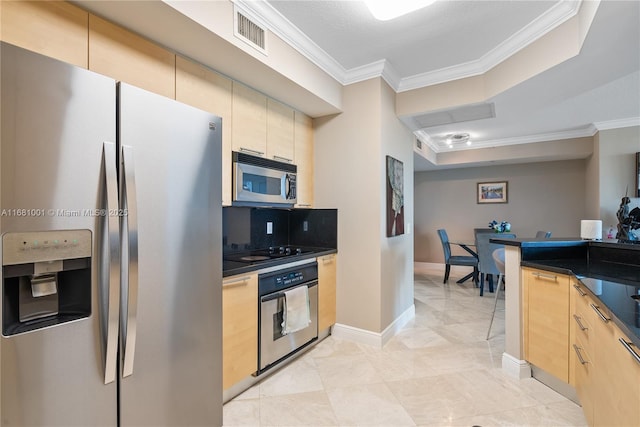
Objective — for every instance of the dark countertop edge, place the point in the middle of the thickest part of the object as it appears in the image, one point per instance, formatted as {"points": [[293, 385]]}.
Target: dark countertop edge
{"points": [[554, 269], [276, 262], [559, 242], [551, 268], [556, 242]]}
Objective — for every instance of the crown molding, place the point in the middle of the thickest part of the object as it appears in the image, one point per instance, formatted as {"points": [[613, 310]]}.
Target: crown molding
{"points": [[552, 18], [587, 131], [290, 34], [283, 28], [617, 124]]}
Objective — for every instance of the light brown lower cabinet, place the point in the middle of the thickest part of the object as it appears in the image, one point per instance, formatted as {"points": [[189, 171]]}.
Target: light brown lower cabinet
{"points": [[606, 365], [239, 328], [615, 390], [546, 321], [326, 291]]}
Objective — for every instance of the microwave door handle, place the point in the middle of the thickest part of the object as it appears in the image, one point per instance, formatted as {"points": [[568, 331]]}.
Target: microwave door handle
{"points": [[288, 186], [284, 187]]}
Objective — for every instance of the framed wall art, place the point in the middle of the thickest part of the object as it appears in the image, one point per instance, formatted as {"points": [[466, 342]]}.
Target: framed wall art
{"points": [[493, 192], [395, 197]]}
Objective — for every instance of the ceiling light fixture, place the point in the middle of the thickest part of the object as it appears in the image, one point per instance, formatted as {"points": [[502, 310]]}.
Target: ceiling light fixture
{"points": [[458, 138], [384, 10]]}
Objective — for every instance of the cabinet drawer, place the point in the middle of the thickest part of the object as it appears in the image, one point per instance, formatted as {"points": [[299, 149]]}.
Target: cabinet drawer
{"points": [[582, 319], [584, 369]]}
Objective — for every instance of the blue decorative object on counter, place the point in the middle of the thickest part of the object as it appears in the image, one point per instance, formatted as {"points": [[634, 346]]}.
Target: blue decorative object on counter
{"points": [[500, 227]]}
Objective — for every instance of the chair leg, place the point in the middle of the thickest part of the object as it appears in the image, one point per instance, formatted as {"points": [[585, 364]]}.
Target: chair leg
{"points": [[481, 284], [490, 280], [447, 269], [495, 304]]}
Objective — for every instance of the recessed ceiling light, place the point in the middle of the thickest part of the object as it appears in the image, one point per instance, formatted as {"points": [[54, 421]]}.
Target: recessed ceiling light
{"points": [[458, 139], [384, 10]]}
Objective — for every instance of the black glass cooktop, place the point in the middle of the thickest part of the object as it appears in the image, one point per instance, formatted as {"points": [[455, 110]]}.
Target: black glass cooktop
{"points": [[259, 255]]}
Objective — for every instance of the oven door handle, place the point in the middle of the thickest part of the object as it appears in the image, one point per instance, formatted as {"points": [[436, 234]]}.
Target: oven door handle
{"points": [[277, 295]]}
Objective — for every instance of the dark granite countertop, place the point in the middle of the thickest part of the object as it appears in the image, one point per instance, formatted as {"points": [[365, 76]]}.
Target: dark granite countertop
{"points": [[612, 283], [231, 268], [554, 242]]}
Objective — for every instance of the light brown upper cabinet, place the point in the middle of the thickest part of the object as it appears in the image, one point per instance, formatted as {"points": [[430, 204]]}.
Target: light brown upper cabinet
{"points": [[303, 139], [125, 56], [249, 128], [207, 90], [55, 29], [280, 125]]}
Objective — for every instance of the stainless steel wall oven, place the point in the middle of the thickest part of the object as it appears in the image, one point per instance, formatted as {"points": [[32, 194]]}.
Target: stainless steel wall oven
{"points": [[274, 345]]}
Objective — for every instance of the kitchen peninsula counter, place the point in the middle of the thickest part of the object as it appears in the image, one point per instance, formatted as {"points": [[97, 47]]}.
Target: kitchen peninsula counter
{"points": [[609, 270]]}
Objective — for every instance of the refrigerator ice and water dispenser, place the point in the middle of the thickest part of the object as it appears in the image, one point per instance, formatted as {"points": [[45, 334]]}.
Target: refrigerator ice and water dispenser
{"points": [[46, 279]]}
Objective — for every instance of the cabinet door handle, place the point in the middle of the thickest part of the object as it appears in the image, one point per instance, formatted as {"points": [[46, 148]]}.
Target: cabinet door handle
{"points": [[546, 276], [580, 358], [580, 291], [629, 349], [327, 259], [582, 328], [249, 150], [604, 318], [284, 159], [237, 281]]}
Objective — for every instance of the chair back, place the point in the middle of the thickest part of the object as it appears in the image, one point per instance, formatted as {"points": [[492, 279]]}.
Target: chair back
{"points": [[483, 230], [543, 234], [446, 247], [498, 258], [485, 249]]}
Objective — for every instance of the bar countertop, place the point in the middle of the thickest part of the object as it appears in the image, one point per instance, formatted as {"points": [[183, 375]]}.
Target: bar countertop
{"points": [[613, 281]]}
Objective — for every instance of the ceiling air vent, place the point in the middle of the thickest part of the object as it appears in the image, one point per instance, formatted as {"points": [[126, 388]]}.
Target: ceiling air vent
{"points": [[250, 32]]}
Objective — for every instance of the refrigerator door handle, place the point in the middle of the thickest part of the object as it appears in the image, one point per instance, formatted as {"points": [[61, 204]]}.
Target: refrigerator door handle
{"points": [[129, 213], [111, 261]]}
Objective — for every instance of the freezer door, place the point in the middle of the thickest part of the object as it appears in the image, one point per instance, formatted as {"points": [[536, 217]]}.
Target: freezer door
{"points": [[171, 367], [55, 118]]}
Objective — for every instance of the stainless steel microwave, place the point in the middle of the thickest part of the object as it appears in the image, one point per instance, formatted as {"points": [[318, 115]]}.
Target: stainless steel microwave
{"points": [[260, 181]]}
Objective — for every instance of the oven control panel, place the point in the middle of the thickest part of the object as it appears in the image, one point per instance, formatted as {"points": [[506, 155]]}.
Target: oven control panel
{"points": [[289, 279], [286, 278]]}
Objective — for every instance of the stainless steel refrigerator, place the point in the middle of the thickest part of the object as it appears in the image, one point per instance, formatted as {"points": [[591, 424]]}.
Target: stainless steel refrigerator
{"points": [[111, 247]]}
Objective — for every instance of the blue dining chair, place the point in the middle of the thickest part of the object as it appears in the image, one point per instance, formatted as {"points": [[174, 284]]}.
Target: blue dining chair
{"points": [[464, 260], [486, 264]]}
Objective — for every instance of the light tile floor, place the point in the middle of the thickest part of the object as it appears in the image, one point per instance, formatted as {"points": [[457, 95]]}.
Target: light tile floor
{"points": [[438, 371]]}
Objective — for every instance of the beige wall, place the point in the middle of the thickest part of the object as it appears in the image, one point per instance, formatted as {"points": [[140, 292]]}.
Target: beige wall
{"points": [[617, 149], [375, 274], [548, 195], [396, 252]]}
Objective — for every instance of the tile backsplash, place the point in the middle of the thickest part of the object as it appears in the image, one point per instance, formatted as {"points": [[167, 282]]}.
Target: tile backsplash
{"points": [[249, 228]]}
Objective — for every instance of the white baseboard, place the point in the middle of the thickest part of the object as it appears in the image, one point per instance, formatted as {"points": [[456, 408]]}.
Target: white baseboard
{"points": [[374, 339], [515, 368]]}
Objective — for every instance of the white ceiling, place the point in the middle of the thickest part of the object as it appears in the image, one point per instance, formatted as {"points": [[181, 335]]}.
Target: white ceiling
{"points": [[597, 89]]}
